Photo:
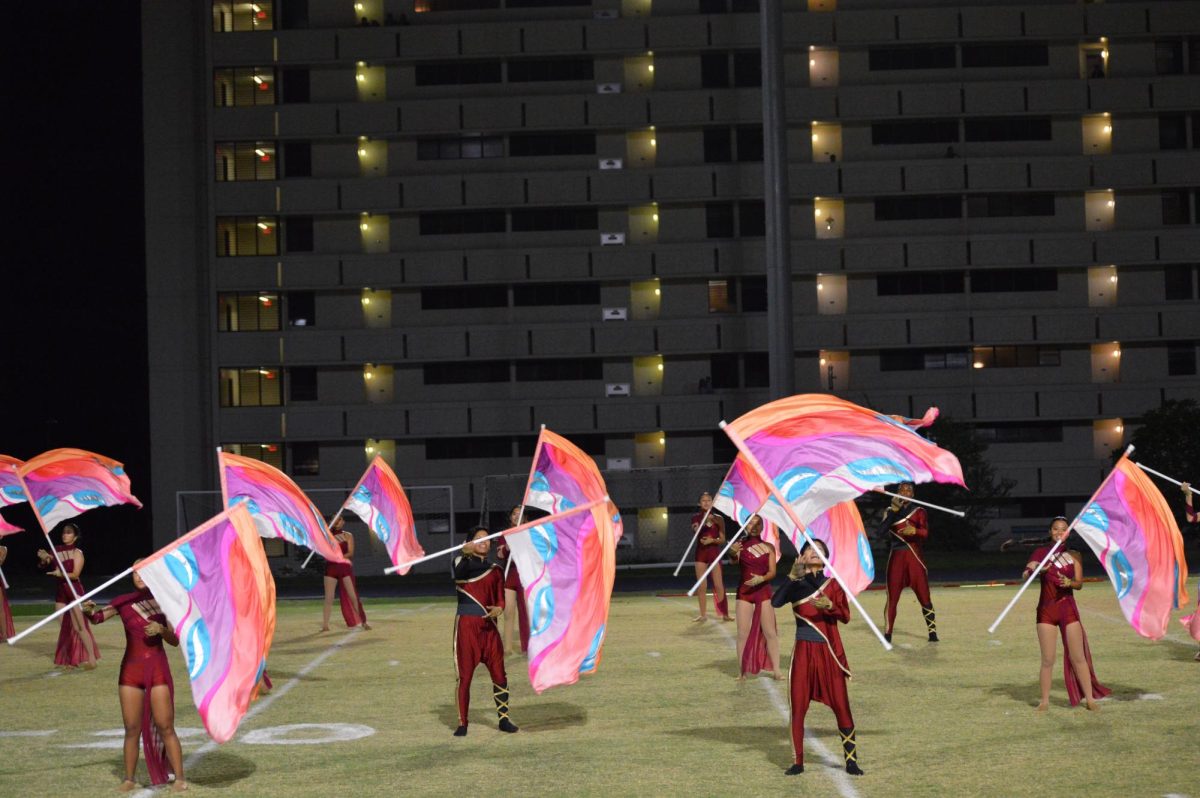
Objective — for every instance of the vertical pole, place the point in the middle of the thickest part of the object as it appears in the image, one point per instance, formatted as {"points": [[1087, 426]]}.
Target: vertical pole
{"points": [[780, 356]]}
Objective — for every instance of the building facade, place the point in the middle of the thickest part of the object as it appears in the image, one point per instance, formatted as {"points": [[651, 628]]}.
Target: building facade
{"points": [[424, 228]]}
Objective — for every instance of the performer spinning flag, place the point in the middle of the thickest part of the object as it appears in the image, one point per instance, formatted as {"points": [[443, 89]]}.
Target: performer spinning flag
{"points": [[907, 528], [1191, 622], [6, 621], [379, 500]]}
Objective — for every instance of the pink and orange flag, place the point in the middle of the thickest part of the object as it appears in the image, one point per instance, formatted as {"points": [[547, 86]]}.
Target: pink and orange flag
{"points": [[64, 483], [379, 501], [11, 491], [1133, 533], [215, 588], [276, 503], [567, 562]]}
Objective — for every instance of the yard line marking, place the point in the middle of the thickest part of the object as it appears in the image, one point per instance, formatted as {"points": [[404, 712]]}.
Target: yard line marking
{"points": [[33, 733], [841, 779], [277, 693]]}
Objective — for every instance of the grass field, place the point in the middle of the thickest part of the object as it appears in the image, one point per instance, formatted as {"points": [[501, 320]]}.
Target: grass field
{"points": [[663, 716]]}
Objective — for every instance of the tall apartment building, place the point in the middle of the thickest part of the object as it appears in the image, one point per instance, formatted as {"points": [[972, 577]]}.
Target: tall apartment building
{"points": [[423, 228]]}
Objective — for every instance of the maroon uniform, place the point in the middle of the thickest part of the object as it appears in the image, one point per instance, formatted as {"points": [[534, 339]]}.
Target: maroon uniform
{"points": [[70, 650], [6, 622], [144, 666], [1057, 607], [476, 639], [754, 559], [708, 552], [819, 669], [340, 571], [512, 581], [906, 565]]}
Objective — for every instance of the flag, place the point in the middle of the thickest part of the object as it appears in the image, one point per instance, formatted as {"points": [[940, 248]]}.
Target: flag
{"points": [[821, 451], [567, 563], [279, 508], [380, 502], [564, 476], [841, 528], [8, 529], [11, 491], [211, 584], [1133, 533], [64, 483]]}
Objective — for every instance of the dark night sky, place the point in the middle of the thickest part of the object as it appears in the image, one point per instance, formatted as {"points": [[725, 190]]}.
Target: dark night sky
{"points": [[72, 301]]}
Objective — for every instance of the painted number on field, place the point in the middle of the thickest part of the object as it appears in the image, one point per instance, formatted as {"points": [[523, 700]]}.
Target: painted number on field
{"points": [[291, 734]]}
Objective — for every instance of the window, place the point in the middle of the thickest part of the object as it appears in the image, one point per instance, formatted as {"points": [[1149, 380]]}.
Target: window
{"points": [[247, 235], [451, 148], [724, 370], [588, 442], [563, 143], [230, 17], [718, 219], [464, 296], [1003, 357], [543, 294], [718, 145], [527, 220], [997, 205], [545, 3], [302, 384], [750, 143], [301, 308], [551, 370], [922, 131], [1178, 281], [248, 312], [910, 283], [467, 448], [296, 85], [243, 86], [948, 206], [298, 233], [1023, 432], [427, 6], [747, 69], [1175, 207], [457, 73], [1172, 131], [752, 219], [1005, 54], [756, 368], [297, 159], [922, 359], [304, 459], [545, 70], [245, 160], [1168, 57], [923, 57], [269, 453], [464, 373], [1008, 128], [744, 6], [1181, 359], [713, 7], [446, 223], [754, 294], [255, 387], [714, 70], [722, 296], [995, 281]]}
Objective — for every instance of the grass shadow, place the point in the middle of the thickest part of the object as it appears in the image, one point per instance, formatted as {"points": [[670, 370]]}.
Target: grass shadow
{"points": [[1185, 654], [279, 677], [1027, 693], [772, 742], [221, 769], [532, 718]]}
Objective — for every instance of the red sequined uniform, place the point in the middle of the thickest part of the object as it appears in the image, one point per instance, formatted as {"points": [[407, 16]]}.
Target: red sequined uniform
{"points": [[906, 561], [6, 621], [706, 553], [345, 570], [70, 650], [144, 666], [819, 668], [1057, 607], [754, 560], [476, 639], [512, 581]]}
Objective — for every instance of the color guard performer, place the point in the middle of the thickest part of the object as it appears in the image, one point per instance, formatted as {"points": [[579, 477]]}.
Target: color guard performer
{"points": [[906, 528], [819, 669], [1192, 622], [480, 587], [6, 621], [341, 575], [1061, 577], [514, 593], [758, 641], [145, 687], [708, 547], [76, 644]]}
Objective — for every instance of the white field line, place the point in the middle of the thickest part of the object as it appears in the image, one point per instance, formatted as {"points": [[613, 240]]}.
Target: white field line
{"points": [[279, 692], [840, 778]]}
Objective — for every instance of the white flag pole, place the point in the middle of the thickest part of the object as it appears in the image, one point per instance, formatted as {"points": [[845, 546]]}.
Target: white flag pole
{"points": [[959, 513], [68, 607]]}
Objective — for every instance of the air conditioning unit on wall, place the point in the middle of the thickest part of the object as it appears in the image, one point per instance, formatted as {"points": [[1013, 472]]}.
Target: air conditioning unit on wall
{"points": [[614, 314], [617, 389], [612, 239]]}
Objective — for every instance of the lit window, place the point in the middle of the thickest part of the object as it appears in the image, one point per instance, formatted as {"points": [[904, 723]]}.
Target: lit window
{"points": [[245, 160], [251, 387], [230, 17]]}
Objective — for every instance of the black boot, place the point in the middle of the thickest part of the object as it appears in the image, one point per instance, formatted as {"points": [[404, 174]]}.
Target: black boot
{"points": [[461, 731], [500, 696], [850, 750], [887, 636], [794, 770], [930, 623]]}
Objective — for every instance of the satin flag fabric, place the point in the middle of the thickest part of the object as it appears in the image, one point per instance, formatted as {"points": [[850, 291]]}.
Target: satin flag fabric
{"points": [[276, 503], [1133, 533], [64, 483], [379, 501], [212, 586]]}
